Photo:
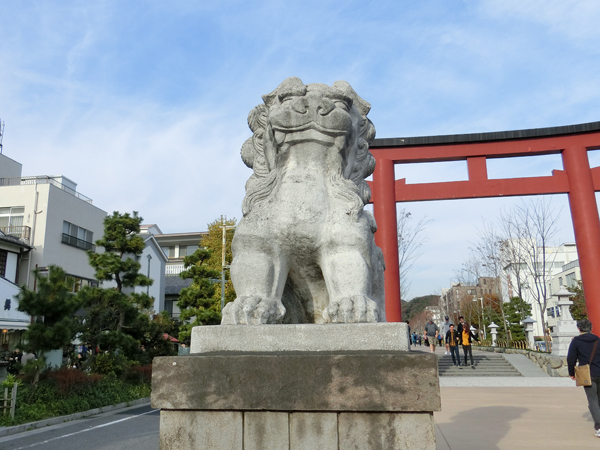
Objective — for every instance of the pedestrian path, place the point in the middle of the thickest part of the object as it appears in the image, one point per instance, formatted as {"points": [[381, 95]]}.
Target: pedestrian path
{"points": [[528, 374], [485, 365], [529, 411]]}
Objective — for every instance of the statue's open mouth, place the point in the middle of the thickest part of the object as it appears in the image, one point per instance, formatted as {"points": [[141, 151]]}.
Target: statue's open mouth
{"points": [[311, 132]]}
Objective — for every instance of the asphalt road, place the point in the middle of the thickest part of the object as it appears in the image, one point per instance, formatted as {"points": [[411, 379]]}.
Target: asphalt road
{"points": [[134, 428]]}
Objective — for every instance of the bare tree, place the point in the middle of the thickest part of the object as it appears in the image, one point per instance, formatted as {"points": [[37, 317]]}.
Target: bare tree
{"points": [[410, 240], [488, 252], [529, 229]]}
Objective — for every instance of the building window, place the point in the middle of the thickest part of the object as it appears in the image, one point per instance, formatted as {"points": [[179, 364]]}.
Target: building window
{"points": [[77, 236], [11, 220], [571, 279], [3, 259], [169, 252]]}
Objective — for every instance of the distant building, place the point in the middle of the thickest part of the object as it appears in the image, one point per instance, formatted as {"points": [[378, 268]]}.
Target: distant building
{"points": [[175, 247], [452, 297], [517, 276]]}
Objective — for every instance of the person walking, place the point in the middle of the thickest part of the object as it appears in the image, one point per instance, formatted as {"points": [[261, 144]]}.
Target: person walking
{"points": [[452, 342], [461, 323], [431, 333], [466, 339], [445, 329], [580, 351]]}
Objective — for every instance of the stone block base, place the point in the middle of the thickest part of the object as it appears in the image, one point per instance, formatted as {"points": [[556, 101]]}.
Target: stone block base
{"points": [[297, 387], [265, 430]]}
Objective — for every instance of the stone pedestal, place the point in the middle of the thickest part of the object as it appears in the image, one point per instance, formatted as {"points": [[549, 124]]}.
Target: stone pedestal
{"points": [[287, 398]]}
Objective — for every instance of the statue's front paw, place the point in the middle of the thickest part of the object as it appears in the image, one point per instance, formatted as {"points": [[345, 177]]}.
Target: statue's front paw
{"points": [[357, 308], [252, 310]]}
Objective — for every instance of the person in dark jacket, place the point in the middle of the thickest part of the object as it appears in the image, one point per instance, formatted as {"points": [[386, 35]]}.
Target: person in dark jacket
{"points": [[452, 342], [580, 351]]}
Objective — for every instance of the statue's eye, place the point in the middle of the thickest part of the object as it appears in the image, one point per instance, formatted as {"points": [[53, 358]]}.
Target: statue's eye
{"points": [[286, 99], [342, 105]]}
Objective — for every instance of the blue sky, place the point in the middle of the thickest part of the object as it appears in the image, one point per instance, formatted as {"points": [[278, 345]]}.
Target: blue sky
{"points": [[144, 104]]}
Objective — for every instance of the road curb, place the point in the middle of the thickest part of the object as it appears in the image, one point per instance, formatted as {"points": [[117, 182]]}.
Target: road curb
{"points": [[7, 431]]}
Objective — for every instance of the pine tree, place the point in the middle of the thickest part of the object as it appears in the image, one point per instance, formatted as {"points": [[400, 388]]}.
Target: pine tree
{"points": [[578, 308], [517, 310], [116, 314], [197, 302], [52, 308]]}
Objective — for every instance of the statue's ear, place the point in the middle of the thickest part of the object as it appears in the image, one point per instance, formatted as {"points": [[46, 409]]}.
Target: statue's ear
{"points": [[291, 84], [362, 106]]}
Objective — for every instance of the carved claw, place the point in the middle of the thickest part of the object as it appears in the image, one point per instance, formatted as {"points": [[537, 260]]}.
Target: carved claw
{"points": [[252, 310], [357, 308]]}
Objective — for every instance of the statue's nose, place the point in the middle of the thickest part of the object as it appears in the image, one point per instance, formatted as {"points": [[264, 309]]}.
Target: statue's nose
{"points": [[325, 107], [300, 105]]}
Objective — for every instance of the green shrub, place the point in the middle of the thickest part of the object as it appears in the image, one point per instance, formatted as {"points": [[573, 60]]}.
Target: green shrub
{"points": [[66, 391]]}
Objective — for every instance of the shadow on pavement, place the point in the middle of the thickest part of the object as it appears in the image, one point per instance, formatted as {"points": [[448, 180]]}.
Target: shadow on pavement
{"points": [[478, 428]]}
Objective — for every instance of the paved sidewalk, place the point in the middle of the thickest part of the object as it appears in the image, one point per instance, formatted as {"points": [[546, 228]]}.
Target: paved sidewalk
{"points": [[514, 418], [531, 412]]}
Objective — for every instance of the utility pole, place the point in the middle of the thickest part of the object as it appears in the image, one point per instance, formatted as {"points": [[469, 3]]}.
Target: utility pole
{"points": [[1, 134], [224, 227]]}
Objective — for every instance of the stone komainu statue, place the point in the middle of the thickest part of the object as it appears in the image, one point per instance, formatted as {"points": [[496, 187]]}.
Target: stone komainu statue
{"points": [[304, 251]]}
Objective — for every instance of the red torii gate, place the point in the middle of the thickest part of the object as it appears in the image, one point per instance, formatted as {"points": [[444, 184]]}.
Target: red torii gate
{"points": [[577, 180]]}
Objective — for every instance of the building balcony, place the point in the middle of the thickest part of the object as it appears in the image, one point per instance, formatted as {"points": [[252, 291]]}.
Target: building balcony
{"points": [[174, 269], [20, 232], [79, 243]]}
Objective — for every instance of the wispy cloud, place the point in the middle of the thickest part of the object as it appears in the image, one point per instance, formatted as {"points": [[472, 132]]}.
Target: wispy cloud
{"points": [[144, 105]]}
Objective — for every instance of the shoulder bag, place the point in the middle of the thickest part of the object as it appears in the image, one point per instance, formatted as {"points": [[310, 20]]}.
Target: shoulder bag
{"points": [[582, 373]]}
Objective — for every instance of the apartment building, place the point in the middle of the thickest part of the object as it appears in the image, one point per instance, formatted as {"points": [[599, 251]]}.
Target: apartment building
{"points": [[452, 297]]}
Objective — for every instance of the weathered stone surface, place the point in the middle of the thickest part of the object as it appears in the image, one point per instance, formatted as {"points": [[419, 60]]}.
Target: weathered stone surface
{"points": [[298, 381], [304, 251], [264, 430], [313, 431], [201, 430], [554, 361], [376, 431], [300, 337]]}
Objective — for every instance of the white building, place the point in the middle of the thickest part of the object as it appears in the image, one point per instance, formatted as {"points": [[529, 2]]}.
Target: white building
{"points": [[50, 215], [12, 322], [518, 272], [54, 223]]}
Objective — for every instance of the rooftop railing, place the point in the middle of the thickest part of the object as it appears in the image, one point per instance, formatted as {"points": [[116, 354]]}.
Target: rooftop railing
{"points": [[21, 181]]}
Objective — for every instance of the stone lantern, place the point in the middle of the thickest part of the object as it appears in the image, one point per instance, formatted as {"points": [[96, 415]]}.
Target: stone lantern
{"points": [[528, 323], [566, 328], [493, 327]]}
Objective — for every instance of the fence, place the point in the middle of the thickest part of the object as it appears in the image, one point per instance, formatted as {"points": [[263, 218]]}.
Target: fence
{"points": [[540, 346], [13, 401], [20, 181]]}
